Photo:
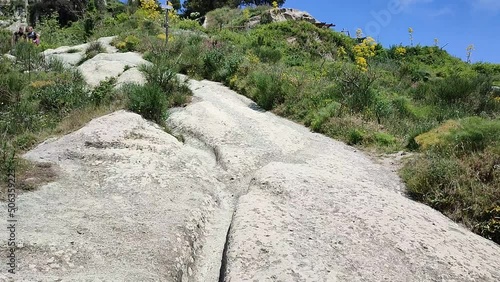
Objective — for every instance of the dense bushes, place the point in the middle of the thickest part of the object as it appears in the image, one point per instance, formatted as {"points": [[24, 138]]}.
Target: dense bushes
{"points": [[459, 172], [5, 41]]}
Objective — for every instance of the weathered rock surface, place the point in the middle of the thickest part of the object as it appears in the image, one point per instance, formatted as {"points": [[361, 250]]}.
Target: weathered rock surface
{"points": [[68, 59], [131, 204], [72, 55], [106, 65], [281, 15], [10, 57], [313, 209], [106, 41], [287, 14], [130, 76]]}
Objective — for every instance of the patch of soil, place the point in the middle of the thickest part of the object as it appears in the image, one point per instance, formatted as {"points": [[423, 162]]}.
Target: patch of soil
{"points": [[29, 176]]}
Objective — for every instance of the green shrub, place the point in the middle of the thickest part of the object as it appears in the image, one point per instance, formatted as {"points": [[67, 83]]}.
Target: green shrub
{"points": [[321, 116], [160, 75], [25, 141], [23, 116], [55, 64], [28, 56], [489, 225], [188, 24], [149, 101], [130, 43], [402, 107], [122, 17], [11, 85], [268, 54], [212, 60], [474, 134], [382, 109], [464, 188], [384, 139], [221, 17], [229, 67], [268, 91], [5, 41], [61, 98], [355, 136], [432, 179], [355, 87], [103, 93], [150, 27]]}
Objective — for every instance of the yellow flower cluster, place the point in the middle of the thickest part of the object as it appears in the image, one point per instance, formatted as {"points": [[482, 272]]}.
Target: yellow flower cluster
{"points": [[121, 45], [150, 7], [162, 36], [246, 13], [497, 99], [364, 51], [275, 4], [41, 83], [362, 63], [254, 59], [401, 51]]}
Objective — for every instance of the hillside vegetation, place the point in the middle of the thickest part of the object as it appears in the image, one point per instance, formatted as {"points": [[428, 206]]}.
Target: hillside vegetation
{"points": [[418, 98]]}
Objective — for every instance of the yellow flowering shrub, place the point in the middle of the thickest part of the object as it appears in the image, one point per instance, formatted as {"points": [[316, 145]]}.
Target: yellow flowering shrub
{"points": [[246, 14], [362, 63], [150, 9], [41, 83], [121, 45], [162, 36], [364, 51], [401, 51]]}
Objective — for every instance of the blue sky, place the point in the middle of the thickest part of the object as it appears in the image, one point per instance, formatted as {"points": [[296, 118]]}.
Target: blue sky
{"points": [[456, 23]]}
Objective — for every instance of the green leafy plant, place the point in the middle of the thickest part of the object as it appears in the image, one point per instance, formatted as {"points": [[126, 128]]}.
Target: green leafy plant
{"points": [[149, 101]]}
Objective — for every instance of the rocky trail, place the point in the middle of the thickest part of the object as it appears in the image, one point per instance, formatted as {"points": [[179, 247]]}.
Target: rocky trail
{"points": [[248, 196]]}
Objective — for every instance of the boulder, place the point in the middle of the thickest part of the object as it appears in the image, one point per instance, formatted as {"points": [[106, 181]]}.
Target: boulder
{"points": [[4, 23], [15, 26], [103, 66], [130, 76], [65, 49], [68, 59], [106, 42], [280, 15], [10, 57], [287, 14], [131, 204]]}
